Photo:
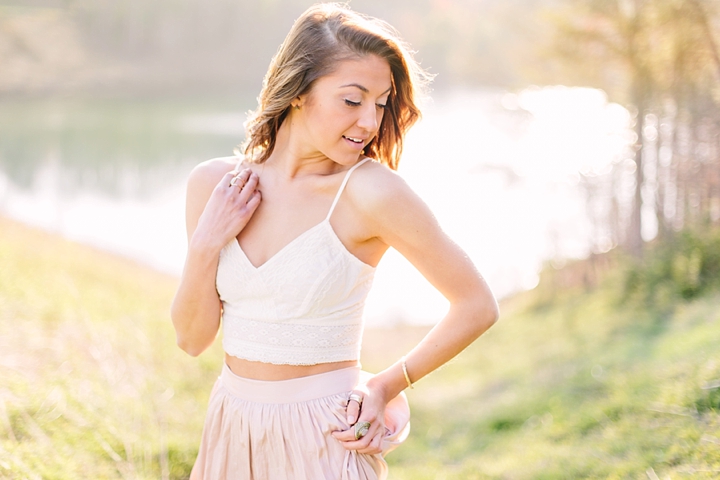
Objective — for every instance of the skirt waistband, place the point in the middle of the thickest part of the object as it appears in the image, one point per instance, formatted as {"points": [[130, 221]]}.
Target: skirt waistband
{"points": [[293, 390]]}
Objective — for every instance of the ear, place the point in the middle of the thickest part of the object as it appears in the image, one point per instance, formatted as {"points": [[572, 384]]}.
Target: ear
{"points": [[297, 102]]}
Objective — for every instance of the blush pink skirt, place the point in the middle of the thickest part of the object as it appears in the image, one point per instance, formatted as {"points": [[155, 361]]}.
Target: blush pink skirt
{"points": [[259, 430]]}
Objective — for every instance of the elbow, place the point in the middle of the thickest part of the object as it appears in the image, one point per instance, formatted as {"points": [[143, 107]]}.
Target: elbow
{"points": [[193, 343], [188, 347], [487, 312], [187, 342], [492, 315]]}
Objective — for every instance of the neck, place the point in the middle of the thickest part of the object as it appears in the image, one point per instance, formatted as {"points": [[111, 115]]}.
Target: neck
{"points": [[293, 158]]}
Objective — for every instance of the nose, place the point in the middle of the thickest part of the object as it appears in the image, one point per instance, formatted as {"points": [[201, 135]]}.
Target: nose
{"points": [[369, 117]]}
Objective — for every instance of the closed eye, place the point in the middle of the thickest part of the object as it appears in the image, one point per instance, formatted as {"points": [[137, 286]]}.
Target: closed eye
{"points": [[381, 105], [350, 103]]}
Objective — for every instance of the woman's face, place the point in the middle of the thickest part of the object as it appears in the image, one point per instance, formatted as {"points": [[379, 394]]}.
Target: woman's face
{"points": [[343, 110]]}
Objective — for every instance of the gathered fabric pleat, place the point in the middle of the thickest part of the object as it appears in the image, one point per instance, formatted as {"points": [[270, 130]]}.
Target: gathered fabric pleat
{"points": [[260, 430]]}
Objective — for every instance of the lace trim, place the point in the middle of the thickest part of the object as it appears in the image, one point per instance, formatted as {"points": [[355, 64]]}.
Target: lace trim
{"points": [[288, 344]]}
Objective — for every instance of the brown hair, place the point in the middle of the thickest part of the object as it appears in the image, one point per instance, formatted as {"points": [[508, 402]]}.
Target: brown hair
{"points": [[323, 36]]}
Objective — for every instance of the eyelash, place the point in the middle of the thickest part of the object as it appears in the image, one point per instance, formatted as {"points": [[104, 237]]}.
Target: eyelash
{"points": [[350, 103]]}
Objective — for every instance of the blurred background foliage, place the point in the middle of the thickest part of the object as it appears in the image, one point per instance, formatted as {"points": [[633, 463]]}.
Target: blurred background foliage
{"points": [[659, 59], [681, 268], [176, 45]]}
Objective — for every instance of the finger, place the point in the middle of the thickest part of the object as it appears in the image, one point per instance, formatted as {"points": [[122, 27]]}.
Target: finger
{"points": [[249, 208], [246, 173], [248, 188], [243, 178], [347, 437], [251, 181], [353, 411], [359, 444], [225, 180], [240, 178], [374, 447]]}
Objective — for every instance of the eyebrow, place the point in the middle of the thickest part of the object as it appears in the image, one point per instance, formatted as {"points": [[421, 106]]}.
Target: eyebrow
{"points": [[364, 89]]}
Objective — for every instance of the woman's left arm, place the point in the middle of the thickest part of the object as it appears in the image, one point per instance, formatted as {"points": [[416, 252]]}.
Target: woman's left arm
{"points": [[400, 219]]}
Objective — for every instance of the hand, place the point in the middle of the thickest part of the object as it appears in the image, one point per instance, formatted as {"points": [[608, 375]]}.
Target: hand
{"points": [[229, 208], [373, 411]]}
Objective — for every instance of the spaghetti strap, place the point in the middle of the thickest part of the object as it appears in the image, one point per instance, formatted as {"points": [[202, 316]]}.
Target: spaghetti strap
{"points": [[342, 185]]}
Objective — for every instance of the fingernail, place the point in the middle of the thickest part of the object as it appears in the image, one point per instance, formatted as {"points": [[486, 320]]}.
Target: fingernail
{"points": [[351, 420]]}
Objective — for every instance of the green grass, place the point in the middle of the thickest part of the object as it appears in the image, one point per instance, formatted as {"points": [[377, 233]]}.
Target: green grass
{"points": [[577, 385], [93, 385], [582, 387]]}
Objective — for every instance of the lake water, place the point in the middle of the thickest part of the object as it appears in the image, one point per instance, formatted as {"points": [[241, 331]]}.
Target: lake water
{"points": [[499, 170]]}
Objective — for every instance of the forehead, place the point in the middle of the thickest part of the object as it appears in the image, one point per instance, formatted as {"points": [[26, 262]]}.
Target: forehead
{"points": [[370, 72]]}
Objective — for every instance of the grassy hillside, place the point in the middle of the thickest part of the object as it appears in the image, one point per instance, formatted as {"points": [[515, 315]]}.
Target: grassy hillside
{"points": [[584, 385], [92, 383], [570, 385]]}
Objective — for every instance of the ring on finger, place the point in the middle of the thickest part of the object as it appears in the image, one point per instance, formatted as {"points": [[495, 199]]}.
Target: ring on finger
{"points": [[235, 180], [361, 429], [358, 398]]}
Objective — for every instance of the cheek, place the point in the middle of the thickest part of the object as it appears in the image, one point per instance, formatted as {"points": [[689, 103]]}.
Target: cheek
{"points": [[380, 119], [327, 119]]}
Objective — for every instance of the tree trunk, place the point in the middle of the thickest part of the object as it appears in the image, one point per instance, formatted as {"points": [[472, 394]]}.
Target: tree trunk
{"points": [[634, 238], [638, 96]]}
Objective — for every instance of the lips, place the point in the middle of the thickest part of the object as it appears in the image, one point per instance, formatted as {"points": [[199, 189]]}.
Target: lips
{"points": [[355, 143], [359, 141]]}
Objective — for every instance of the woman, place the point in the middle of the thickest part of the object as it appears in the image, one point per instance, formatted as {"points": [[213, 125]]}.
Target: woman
{"points": [[283, 244]]}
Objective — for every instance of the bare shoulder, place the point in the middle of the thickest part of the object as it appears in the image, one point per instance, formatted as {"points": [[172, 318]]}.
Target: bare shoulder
{"points": [[207, 174], [391, 211], [376, 190]]}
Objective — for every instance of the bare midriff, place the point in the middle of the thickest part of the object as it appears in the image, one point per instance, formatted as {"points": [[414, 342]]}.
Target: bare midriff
{"points": [[268, 371]]}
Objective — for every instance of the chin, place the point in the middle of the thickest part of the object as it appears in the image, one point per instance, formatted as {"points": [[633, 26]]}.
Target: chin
{"points": [[346, 159]]}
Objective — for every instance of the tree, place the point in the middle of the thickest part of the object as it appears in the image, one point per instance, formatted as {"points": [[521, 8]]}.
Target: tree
{"points": [[660, 59]]}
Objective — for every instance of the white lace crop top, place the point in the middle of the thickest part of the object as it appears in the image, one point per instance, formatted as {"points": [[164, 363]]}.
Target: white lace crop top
{"points": [[303, 306]]}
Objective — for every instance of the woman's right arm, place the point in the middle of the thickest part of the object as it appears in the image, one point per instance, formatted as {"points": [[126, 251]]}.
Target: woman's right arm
{"points": [[216, 212]]}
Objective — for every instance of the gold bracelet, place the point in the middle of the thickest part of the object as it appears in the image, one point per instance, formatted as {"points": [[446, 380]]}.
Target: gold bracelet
{"points": [[407, 377]]}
